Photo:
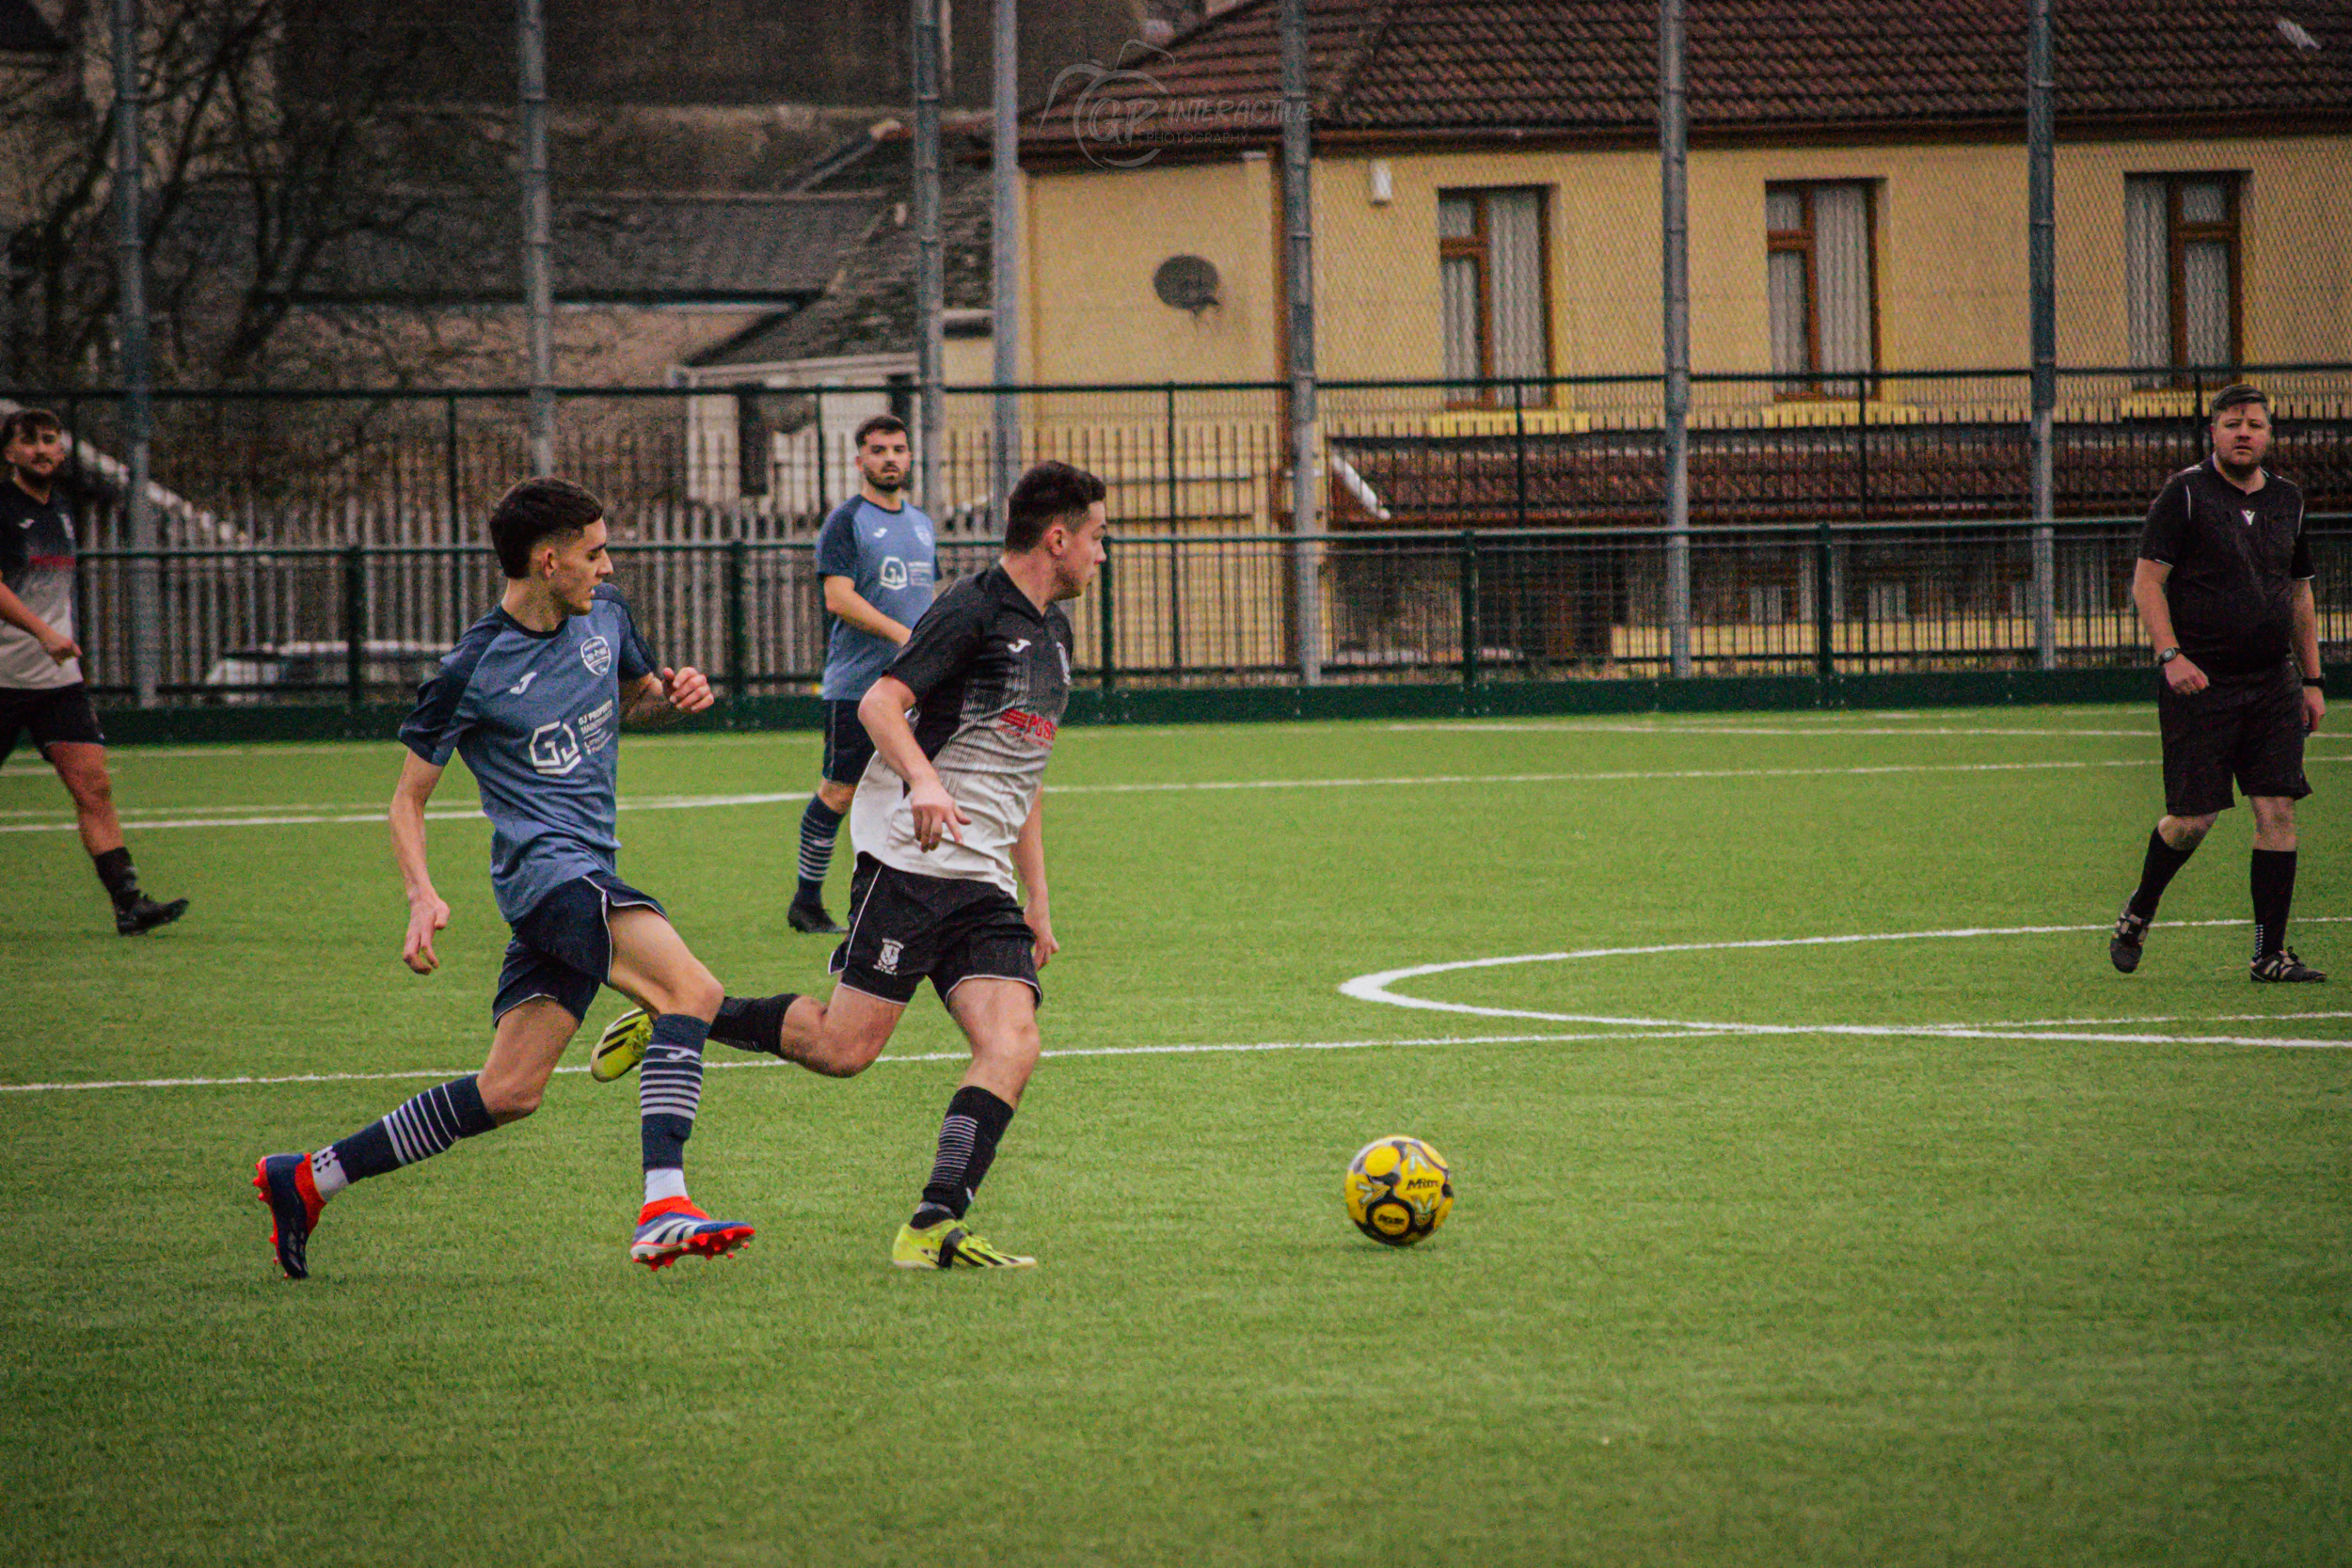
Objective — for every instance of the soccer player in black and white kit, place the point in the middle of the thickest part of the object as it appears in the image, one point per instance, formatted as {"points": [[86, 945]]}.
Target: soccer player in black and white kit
{"points": [[41, 690], [2224, 585], [949, 825]]}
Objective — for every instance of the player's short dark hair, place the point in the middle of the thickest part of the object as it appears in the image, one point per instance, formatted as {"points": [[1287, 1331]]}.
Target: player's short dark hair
{"points": [[535, 510], [2237, 396], [889, 424], [27, 422], [1046, 492]]}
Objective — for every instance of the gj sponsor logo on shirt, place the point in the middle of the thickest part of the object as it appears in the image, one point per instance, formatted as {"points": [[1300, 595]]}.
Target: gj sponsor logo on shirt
{"points": [[894, 572], [555, 749], [597, 654]]}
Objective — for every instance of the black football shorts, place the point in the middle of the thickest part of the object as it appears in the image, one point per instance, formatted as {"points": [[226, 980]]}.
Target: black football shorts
{"points": [[905, 927], [2242, 728], [52, 714]]}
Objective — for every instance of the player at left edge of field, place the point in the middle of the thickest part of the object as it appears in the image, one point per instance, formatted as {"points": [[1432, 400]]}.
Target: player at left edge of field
{"points": [[42, 689], [533, 697]]}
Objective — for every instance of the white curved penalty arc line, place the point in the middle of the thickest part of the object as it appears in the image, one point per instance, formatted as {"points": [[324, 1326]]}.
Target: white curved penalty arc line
{"points": [[1379, 988]]}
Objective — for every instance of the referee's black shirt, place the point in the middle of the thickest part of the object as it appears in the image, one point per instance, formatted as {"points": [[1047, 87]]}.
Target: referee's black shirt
{"points": [[2235, 559]]}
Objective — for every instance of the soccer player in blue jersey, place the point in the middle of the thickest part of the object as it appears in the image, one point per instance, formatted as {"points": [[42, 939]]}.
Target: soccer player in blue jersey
{"points": [[876, 556], [534, 697]]}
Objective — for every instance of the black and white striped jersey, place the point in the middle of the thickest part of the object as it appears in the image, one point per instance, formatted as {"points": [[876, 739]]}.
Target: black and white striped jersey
{"points": [[990, 677]]}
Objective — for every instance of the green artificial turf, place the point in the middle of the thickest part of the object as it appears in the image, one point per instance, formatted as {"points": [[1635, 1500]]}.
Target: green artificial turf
{"points": [[1901, 1278]]}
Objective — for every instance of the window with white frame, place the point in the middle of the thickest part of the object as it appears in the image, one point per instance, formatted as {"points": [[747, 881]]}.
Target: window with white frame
{"points": [[1822, 284], [1493, 290], [2180, 271]]}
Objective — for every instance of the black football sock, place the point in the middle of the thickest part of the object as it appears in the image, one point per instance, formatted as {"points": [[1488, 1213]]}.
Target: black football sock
{"points": [[752, 1023], [121, 879], [2272, 878], [820, 824], [967, 1146], [2157, 873]]}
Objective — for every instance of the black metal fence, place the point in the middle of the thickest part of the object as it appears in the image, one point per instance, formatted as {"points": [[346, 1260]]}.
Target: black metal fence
{"points": [[365, 622], [244, 469]]}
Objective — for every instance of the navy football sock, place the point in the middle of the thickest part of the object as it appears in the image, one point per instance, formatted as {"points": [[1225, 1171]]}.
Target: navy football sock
{"points": [[820, 824], [424, 1126], [669, 1088]]}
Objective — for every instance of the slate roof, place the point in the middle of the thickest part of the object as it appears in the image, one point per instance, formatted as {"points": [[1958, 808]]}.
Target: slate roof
{"points": [[868, 306], [1416, 69], [624, 249]]}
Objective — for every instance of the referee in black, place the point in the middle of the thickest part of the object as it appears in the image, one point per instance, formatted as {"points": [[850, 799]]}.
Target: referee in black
{"points": [[2224, 585]]}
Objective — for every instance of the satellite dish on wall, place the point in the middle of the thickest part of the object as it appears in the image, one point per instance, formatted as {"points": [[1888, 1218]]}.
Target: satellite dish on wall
{"points": [[1185, 283]]}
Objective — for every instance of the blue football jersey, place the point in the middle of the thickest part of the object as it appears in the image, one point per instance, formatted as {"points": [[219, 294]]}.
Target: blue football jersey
{"points": [[891, 559], [537, 717]]}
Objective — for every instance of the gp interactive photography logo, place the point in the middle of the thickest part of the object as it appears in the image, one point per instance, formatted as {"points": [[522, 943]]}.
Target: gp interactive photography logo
{"points": [[1121, 116]]}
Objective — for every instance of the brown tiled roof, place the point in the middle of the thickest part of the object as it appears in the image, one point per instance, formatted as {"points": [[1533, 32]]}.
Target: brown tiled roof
{"points": [[1569, 69]]}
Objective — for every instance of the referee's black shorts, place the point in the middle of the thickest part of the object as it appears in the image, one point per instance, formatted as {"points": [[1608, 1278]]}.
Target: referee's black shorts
{"points": [[905, 927], [52, 714], [2246, 728]]}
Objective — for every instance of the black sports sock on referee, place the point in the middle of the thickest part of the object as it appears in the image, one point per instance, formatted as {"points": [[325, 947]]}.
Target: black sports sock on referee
{"points": [[752, 1023], [2272, 879], [2157, 873], [967, 1146], [114, 869]]}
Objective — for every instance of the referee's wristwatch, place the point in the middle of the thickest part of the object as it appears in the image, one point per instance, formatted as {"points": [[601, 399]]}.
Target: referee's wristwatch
{"points": [[2169, 655], [2317, 683]]}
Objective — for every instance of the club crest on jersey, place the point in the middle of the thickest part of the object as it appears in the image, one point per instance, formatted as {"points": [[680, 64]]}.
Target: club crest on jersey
{"points": [[597, 655], [2248, 512], [555, 749], [887, 961]]}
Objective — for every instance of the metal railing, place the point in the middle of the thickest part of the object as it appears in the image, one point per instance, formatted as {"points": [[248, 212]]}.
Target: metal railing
{"points": [[422, 466], [362, 623]]}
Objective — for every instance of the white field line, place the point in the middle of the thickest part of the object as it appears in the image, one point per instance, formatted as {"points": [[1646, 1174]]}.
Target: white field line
{"points": [[443, 1073], [1483, 727], [1377, 988], [704, 803]]}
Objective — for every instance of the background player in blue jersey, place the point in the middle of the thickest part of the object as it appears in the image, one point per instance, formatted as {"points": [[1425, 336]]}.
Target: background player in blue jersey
{"points": [[534, 697], [877, 557]]}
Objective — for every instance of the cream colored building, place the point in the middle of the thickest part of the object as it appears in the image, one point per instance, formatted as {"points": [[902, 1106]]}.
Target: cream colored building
{"points": [[2216, 240]]}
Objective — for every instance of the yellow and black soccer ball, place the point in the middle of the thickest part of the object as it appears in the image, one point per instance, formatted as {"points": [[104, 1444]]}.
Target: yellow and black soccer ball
{"points": [[1398, 1190]]}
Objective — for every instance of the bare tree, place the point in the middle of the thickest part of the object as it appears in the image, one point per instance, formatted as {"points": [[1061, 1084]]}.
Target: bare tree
{"points": [[251, 189]]}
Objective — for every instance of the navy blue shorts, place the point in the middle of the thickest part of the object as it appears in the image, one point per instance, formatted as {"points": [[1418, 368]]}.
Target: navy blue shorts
{"points": [[563, 946], [847, 747]]}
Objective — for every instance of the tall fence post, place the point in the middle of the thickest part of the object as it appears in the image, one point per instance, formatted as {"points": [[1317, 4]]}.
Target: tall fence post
{"points": [[1519, 449], [355, 623], [138, 515], [449, 461], [1105, 621], [1175, 547], [2042, 285], [1465, 573], [1824, 623], [739, 638], [1674, 148], [825, 459]]}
